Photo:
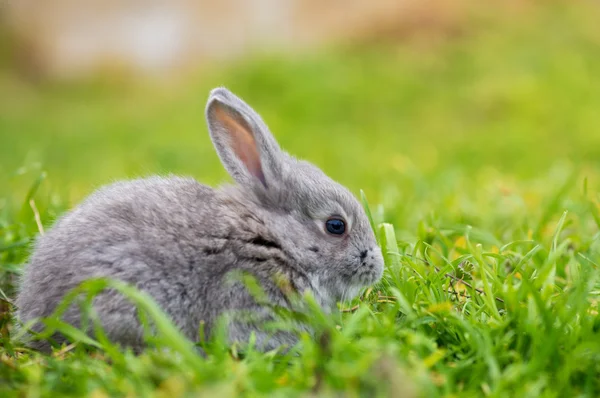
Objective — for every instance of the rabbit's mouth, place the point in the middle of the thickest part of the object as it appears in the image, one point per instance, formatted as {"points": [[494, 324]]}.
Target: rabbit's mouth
{"points": [[362, 270], [371, 267], [366, 277], [362, 278]]}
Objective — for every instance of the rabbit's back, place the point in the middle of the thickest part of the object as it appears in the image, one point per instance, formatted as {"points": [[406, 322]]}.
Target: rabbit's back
{"points": [[146, 232]]}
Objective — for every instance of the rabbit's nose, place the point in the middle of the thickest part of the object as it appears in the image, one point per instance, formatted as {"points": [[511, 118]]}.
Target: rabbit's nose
{"points": [[374, 257], [363, 255]]}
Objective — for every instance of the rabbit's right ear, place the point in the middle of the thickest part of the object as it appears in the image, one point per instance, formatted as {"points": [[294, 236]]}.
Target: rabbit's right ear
{"points": [[242, 140]]}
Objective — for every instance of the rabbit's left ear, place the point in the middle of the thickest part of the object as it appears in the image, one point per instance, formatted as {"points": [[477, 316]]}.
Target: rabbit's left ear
{"points": [[243, 142]]}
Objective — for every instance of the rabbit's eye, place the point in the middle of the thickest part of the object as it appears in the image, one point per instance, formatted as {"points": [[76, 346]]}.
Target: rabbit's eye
{"points": [[335, 226]]}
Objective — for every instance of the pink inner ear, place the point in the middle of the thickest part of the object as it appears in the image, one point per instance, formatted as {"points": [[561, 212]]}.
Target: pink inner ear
{"points": [[242, 142]]}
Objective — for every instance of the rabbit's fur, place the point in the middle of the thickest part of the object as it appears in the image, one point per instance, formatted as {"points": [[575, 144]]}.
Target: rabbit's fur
{"points": [[177, 239]]}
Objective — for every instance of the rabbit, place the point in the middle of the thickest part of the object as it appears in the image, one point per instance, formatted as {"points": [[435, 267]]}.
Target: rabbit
{"points": [[177, 240]]}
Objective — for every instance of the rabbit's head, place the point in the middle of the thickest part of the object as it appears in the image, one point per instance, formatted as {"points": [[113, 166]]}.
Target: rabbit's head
{"points": [[314, 220]]}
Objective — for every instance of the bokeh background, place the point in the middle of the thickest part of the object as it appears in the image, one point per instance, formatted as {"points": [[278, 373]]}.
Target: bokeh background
{"points": [[465, 106]]}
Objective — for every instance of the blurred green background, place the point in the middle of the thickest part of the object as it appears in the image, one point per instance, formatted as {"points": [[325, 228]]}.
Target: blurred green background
{"points": [[490, 113]]}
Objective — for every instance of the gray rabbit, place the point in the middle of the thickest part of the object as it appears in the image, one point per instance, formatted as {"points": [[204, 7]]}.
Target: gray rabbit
{"points": [[177, 240]]}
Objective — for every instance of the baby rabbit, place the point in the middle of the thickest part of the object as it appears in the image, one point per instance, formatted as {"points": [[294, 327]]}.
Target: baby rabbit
{"points": [[177, 239]]}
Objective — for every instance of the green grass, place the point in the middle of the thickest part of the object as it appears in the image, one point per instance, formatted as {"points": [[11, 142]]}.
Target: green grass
{"points": [[479, 156]]}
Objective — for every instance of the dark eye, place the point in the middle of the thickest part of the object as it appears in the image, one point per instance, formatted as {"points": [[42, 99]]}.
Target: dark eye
{"points": [[335, 226]]}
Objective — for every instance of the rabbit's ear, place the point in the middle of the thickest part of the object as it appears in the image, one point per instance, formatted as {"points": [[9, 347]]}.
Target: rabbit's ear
{"points": [[244, 144]]}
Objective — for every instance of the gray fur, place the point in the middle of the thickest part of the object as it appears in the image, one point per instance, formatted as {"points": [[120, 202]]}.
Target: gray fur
{"points": [[177, 240]]}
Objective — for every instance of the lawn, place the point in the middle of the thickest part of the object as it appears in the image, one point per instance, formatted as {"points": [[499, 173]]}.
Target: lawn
{"points": [[479, 156]]}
